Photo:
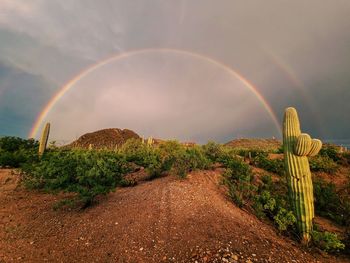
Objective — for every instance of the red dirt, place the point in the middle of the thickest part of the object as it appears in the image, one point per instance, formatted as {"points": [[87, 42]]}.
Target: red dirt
{"points": [[107, 138], [164, 220], [340, 178]]}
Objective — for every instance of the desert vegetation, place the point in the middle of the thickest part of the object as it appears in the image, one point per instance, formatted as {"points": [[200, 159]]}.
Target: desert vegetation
{"points": [[254, 178]]}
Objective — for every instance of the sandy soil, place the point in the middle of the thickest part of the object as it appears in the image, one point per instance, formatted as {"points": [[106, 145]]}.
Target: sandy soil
{"points": [[165, 220]]}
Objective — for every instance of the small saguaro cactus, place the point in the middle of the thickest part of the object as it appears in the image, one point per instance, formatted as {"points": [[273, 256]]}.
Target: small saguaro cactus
{"points": [[44, 138], [297, 147], [150, 141]]}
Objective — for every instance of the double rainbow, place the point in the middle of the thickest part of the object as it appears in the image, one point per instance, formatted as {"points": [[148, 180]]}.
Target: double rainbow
{"points": [[71, 83]]}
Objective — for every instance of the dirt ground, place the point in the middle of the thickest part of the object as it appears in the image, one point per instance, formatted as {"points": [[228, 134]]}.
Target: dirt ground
{"points": [[164, 220]]}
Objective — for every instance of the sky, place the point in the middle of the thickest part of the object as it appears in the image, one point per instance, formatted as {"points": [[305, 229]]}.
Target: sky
{"points": [[193, 70]]}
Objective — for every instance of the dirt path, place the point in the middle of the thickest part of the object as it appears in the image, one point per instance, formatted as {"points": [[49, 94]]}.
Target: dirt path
{"points": [[165, 220]]}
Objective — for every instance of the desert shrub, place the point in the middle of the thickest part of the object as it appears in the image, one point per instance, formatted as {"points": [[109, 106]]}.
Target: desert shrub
{"points": [[251, 152], [284, 219], [212, 151], [280, 149], [169, 156], [266, 202], [87, 173], [135, 151], [345, 157], [12, 144], [14, 151], [331, 152], [197, 158], [271, 201], [267, 182], [274, 207], [238, 177], [326, 199], [274, 166], [180, 160], [171, 151], [144, 155], [329, 204], [322, 164], [127, 183], [327, 241]]}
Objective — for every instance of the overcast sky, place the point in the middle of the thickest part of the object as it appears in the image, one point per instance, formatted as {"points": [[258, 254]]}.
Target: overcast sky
{"points": [[296, 53]]}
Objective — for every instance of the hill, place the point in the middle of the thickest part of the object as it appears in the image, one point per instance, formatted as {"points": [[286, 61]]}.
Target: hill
{"points": [[106, 138]]}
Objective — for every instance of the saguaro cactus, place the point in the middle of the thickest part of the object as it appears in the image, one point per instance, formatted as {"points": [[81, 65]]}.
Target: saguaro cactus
{"points": [[150, 141], [44, 138], [297, 147]]}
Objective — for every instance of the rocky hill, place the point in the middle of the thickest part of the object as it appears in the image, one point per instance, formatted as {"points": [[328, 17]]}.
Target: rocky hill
{"points": [[106, 138]]}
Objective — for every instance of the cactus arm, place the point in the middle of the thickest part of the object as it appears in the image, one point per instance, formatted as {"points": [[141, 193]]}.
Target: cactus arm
{"points": [[316, 146], [303, 145], [44, 138]]}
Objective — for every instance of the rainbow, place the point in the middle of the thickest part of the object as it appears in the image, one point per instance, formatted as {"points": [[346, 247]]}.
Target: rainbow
{"points": [[43, 114], [291, 75]]}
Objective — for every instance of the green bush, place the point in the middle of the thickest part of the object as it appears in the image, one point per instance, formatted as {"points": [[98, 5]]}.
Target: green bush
{"points": [[14, 151], [265, 204], [12, 144], [329, 204], [197, 158], [274, 166], [173, 158], [280, 150], [267, 182], [326, 199], [345, 156], [169, 156], [87, 173], [271, 201], [327, 241], [284, 219], [143, 155], [213, 151], [331, 152], [238, 177], [322, 164], [252, 153], [180, 160], [135, 151]]}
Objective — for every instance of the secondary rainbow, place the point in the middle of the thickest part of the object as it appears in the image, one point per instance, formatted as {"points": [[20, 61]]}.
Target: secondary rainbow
{"points": [[43, 114], [291, 75]]}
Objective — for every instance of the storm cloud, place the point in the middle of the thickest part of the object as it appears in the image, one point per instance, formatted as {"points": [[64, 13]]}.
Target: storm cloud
{"points": [[294, 52]]}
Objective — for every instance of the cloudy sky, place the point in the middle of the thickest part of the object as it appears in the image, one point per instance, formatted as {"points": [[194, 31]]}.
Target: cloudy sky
{"points": [[175, 66]]}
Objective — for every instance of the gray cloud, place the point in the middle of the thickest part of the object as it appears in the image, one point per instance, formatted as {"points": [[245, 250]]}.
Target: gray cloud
{"points": [[294, 52]]}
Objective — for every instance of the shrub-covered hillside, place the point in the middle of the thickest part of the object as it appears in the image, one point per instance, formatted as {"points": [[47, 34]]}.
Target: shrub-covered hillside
{"points": [[254, 178]]}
